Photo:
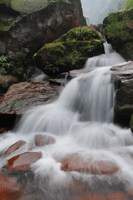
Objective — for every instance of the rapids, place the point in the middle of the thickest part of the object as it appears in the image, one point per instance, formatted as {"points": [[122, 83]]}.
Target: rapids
{"points": [[81, 121]]}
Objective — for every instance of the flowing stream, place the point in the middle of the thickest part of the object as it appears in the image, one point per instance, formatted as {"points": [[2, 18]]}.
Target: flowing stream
{"points": [[81, 121]]}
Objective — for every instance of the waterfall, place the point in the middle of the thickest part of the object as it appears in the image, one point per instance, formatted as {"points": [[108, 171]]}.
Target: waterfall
{"points": [[81, 121], [110, 58]]}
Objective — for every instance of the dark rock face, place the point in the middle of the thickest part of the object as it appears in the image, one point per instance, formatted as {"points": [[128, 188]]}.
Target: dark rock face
{"points": [[124, 93], [6, 81], [118, 30], [31, 31], [70, 51], [23, 31]]}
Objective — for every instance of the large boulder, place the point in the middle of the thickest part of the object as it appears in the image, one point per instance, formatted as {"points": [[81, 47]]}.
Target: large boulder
{"points": [[70, 51], [21, 96], [123, 79], [25, 26], [118, 30]]}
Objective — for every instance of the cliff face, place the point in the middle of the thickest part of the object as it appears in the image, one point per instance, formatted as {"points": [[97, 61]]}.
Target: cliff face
{"points": [[28, 30]]}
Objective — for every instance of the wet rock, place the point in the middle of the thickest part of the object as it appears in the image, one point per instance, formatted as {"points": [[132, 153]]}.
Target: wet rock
{"points": [[9, 188], [103, 196], [15, 146], [22, 95], [22, 161], [42, 140], [76, 163]]}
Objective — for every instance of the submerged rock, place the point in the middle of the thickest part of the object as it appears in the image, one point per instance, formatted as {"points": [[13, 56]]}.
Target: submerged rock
{"points": [[22, 161], [101, 196], [76, 163], [15, 146], [70, 51], [9, 188], [42, 140]]}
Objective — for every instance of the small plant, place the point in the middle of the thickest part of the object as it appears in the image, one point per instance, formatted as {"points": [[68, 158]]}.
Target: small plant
{"points": [[4, 65]]}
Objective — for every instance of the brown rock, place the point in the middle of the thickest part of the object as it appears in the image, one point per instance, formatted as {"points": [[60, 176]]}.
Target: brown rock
{"points": [[22, 95], [41, 140], [22, 161], [104, 196], [9, 188], [75, 163], [15, 146]]}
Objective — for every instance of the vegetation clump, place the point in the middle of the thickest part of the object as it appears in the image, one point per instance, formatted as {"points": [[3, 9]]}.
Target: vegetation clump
{"points": [[15, 66]]}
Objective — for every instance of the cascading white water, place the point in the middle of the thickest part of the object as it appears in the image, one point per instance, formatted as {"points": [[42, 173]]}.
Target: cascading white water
{"points": [[110, 58], [81, 122]]}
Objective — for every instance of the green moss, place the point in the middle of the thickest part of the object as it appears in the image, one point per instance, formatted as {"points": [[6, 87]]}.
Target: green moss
{"points": [[14, 105], [79, 34]]}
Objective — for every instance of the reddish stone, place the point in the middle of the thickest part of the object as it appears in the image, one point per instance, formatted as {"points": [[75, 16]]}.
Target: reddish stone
{"points": [[75, 163], [9, 188], [23, 161], [41, 140], [15, 146], [22, 95], [105, 196]]}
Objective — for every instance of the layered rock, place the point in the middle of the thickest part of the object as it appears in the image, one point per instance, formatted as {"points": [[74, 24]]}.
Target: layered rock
{"points": [[123, 79], [70, 51], [21, 96]]}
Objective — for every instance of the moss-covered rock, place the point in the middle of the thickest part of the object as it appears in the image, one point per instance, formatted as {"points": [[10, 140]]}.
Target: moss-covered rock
{"points": [[70, 51], [119, 31]]}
